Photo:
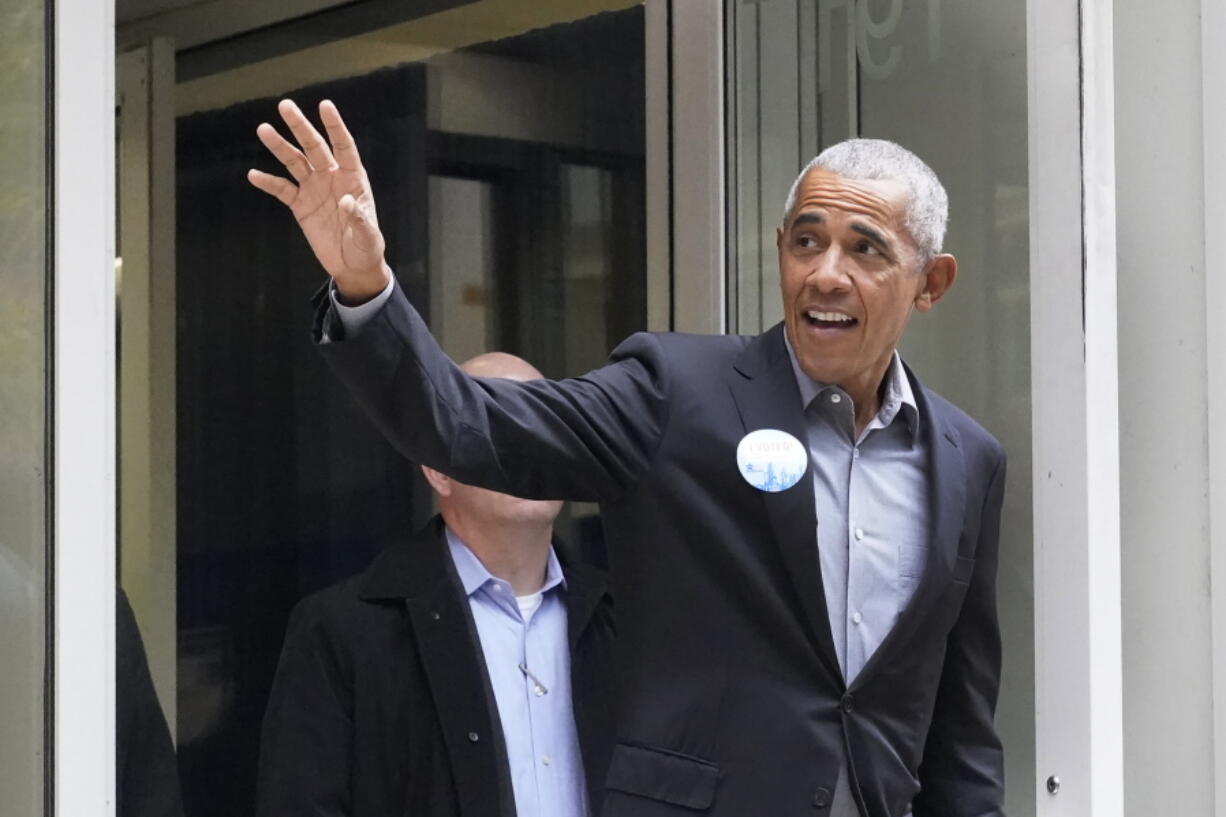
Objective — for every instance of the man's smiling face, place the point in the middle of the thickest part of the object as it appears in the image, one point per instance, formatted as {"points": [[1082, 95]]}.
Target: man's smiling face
{"points": [[850, 276]]}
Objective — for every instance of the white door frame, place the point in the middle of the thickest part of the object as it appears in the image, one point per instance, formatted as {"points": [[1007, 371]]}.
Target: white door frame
{"points": [[1075, 396], [83, 382], [686, 191], [1213, 56]]}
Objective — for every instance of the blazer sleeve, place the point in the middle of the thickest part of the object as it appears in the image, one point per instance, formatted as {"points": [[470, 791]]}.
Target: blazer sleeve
{"points": [[305, 745], [962, 772], [585, 438]]}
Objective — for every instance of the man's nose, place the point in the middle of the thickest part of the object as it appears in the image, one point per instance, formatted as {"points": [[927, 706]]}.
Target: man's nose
{"points": [[829, 272]]}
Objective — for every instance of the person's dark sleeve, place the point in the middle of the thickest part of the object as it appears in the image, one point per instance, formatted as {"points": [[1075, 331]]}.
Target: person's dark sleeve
{"points": [[585, 438], [146, 771], [305, 745], [962, 773]]}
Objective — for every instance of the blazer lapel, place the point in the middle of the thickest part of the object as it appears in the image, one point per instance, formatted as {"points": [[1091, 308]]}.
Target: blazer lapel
{"points": [[420, 574], [947, 504], [585, 587], [766, 396]]}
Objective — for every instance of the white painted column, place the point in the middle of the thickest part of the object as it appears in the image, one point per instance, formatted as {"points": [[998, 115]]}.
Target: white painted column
{"points": [[1164, 235], [1213, 96], [1075, 424], [84, 409]]}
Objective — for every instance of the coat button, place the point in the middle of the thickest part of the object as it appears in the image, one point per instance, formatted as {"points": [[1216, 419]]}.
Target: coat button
{"points": [[473, 737], [821, 798], [434, 616], [847, 703]]}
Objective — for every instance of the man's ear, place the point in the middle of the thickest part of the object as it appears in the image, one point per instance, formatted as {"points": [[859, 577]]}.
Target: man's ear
{"points": [[440, 482], [939, 276], [779, 238]]}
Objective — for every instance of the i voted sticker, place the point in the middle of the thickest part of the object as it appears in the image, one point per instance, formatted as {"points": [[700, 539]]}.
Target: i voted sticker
{"points": [[771, 460]]}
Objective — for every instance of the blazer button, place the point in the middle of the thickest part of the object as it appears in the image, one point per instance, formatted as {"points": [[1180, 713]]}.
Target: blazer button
{"points": [[434, 616], [821, 798], [473, 737], [847, 703]]}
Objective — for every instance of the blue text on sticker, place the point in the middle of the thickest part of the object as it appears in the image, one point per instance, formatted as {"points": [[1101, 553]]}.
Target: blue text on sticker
{"points": [[771, 460]]}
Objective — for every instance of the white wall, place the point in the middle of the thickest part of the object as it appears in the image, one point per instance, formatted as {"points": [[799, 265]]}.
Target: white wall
{"points": [[1168, 701]]}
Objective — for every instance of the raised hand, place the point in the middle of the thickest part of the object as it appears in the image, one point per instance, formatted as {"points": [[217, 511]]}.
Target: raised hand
{"points": [[331, 198]]}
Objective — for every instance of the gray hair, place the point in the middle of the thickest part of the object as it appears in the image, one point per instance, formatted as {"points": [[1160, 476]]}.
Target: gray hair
{"points": [[875, 159]]}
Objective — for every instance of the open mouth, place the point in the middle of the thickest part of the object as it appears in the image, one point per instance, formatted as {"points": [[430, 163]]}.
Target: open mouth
{"points": [[828, 320]]}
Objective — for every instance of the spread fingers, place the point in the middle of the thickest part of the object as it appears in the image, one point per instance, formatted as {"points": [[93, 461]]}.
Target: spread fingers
{"points": [[313, 145], [283, 190], [286, 154]]}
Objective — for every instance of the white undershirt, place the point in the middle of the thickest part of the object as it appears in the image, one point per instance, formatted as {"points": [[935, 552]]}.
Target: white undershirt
{"points": [[529, 604]]}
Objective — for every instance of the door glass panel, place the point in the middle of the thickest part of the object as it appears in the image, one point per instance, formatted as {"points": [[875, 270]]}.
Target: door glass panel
{"points": [[946, 79], [505, 144], [23, 403]]}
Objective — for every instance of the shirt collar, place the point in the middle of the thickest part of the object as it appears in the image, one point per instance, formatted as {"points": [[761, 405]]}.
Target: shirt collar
{"points": [[474, 576], [898, 397]]}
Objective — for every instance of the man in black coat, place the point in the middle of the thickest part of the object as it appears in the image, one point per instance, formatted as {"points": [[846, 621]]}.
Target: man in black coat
{"points": [[442, 679], [803, 537]]}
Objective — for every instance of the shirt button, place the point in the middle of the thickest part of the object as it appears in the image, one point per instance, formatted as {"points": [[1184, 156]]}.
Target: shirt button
{"points": [[859, 534], [545, 760], [856, 618], [836, 398], [855, 453]]}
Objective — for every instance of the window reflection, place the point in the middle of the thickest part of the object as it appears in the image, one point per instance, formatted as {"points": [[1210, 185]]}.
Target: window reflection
{"points": [[506, 153], [23, 407]]}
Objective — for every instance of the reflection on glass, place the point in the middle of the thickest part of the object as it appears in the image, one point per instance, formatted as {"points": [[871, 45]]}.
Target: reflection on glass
{"points": [[23, 464], [504, 142], [947, 79]]}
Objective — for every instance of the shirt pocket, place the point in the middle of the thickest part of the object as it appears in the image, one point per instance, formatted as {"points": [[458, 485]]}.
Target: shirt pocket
{"points": [[912, 560]]}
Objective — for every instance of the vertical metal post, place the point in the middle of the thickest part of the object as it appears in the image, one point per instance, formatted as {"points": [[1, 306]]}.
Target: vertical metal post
{"points": [[146, 186], [1078, 666], [84, 398], [1213, 91], [699, 211]]}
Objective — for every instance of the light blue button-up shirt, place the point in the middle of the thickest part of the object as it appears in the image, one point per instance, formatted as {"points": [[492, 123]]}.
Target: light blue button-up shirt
{"points": [[871, 493], [527, 654]]}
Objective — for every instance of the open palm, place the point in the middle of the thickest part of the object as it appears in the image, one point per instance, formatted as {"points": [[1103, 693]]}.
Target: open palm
{"points": [[329, 196]]}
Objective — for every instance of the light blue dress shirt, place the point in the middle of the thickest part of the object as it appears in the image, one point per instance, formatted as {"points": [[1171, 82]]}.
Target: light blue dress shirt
{"points": [[871, 494], [527, 654]]}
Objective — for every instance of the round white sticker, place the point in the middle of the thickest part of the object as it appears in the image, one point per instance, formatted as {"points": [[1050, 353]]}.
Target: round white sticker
{"points": [[771, 460]]}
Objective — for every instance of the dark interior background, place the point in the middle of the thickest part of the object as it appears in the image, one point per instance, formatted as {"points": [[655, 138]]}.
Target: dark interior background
{"points": [[283, 486]]}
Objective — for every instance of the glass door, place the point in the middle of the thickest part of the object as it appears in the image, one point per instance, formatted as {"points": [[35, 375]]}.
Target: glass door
{"points": [[24, 426], [505, 144], [948, 80]]}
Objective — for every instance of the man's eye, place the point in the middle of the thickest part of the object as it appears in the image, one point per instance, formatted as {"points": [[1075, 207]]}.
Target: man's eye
{"points": [[807, 242], [867, 248]]}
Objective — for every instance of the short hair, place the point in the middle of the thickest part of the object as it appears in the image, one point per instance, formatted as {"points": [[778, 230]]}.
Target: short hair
{"points": [[876, 159]]}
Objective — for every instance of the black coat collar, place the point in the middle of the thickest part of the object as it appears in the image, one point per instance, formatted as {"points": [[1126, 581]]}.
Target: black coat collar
{"points": [[421, 565]]}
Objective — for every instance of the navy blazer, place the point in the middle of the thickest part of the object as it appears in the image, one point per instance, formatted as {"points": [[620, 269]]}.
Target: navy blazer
{"points": [[382, 706], [731, 699]]}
